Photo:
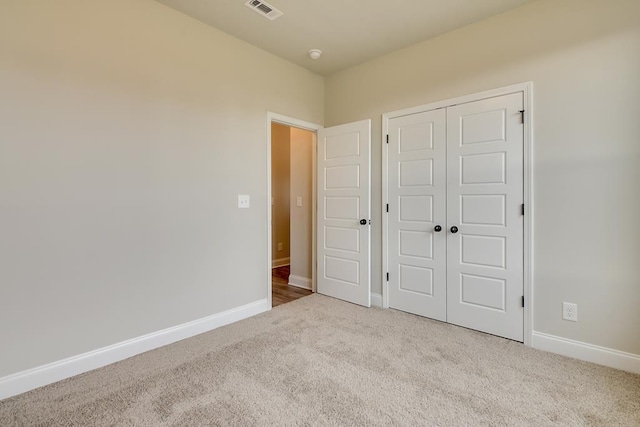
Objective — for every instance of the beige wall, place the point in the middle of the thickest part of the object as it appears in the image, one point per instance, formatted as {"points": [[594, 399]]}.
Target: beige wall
{"points": [[128, 130], [584, 59], [280, 191], [301, 220]]}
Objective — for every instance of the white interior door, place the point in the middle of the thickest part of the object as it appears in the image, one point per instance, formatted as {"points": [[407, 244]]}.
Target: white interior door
{"points": [[484, 218], [417, 214], [344, 201]]}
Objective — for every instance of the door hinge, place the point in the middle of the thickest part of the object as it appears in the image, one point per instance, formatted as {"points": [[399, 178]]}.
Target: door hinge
{"points": [[387, 138], [523, 301], [522, 209], [522, 117], [387, 207], [387, 276]]}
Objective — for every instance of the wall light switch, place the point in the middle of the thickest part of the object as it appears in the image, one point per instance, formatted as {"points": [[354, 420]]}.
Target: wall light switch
{"points": [[299, 201], [243, 201]]}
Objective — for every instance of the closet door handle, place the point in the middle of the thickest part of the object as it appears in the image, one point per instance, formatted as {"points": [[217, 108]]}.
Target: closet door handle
{"points": [[363, 222], [437, 228], [454, 229]]}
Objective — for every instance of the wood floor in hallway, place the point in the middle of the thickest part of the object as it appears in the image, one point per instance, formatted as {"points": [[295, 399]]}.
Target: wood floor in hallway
{"points": [[281, 291]]}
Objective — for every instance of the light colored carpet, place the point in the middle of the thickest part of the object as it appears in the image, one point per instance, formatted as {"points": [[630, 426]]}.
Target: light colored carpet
{"points": [[319, 361]]}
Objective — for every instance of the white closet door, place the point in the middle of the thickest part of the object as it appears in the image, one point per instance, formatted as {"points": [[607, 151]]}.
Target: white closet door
{"points": [[484, 218], [344, 201], [416, 251]]}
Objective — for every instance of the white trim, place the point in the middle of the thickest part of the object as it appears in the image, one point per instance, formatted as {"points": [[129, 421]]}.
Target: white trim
{"points": [[506, 90], [30, 379], [314, 210], [528, 283], [588, 352], [280, 262], [291, 121], [376, 300], [385, 216], [300, 282], [527, 170]]}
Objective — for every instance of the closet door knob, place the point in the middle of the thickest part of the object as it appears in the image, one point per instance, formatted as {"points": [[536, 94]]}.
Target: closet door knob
{"points": [[454, 229], [363, 222], [437, 228]]}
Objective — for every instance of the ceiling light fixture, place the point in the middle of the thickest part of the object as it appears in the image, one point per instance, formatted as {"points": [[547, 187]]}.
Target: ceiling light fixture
{"points": [[315, 53]]}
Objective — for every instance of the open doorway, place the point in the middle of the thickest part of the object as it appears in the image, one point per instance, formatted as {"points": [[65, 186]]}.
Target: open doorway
{"points": [[292, 219], [341, 195]]}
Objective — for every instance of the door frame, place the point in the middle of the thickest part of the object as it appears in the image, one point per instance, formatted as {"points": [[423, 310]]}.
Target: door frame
{"points": [[311, 127], [526, 89]]}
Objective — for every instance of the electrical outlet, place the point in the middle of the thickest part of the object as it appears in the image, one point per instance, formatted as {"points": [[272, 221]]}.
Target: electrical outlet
{"points": [[279, 246], [570, 311]]}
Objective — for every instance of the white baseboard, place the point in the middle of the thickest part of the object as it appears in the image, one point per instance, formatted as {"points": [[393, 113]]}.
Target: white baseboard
{"points": [[300, 282], [588, 352], [24, 381], [280, 262], [376, 300]]}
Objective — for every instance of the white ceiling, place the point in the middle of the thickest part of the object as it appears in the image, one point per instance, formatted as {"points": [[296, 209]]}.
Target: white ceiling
{"points": [[348, 32]]}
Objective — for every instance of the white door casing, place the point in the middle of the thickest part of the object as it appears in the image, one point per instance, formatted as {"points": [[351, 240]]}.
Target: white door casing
{"points": [[484, 202], [344, 199], [417, 209]]}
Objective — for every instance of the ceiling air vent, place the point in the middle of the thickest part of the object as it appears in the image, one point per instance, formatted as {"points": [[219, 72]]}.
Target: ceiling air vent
{"points": [[264, 9]]}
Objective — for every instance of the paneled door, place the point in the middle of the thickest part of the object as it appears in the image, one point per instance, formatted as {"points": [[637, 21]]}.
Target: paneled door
{"points": [[344, 212], [455, 222], [484, 215], [417, 214]]}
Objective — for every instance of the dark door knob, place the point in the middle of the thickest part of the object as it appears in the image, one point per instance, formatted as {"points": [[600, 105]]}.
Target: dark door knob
{"points": [[437, 228], [454, 229], [363, 222]]}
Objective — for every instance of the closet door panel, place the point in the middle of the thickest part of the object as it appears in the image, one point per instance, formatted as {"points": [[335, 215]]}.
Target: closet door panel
{"points": [[417, 180], [484, 219]]}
